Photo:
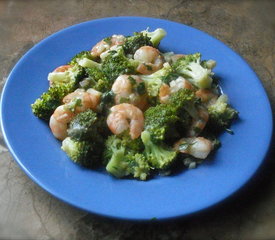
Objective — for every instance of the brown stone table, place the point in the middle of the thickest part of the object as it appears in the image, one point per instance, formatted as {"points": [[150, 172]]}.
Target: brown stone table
{"points": [[28, 212]]}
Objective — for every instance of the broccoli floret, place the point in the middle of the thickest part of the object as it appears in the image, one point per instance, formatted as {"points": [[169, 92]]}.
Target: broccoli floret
{"points": [[170, 76], [133, 43], [124, 157], [84, 54], [107, 100], [95, 74], [73, 76], [154, 81], [62, 83], [190, 67], [209, 64], [116, 63], [96, 80], [221, 114], [160, 121], [87, 125], [143, 38], [189, 108], [124, 141], [135, 165], [185, 99], [44, 106], [166, 121], [139, 166], [155, 36], [118, 166], [80, 152], [159, 156]]}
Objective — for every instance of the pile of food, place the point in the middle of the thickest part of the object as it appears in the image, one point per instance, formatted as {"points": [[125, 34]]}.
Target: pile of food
{"points": [[134, 109]]}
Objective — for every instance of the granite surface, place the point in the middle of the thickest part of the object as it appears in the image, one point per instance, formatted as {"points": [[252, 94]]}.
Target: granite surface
{"points": [[28, 212]]}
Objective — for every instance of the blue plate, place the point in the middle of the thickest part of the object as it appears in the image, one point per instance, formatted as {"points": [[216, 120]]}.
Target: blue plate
{"points": [[38, 152]]}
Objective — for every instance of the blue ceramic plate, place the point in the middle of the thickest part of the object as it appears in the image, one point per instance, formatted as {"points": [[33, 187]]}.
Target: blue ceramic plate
{"points": [[38, 152]]}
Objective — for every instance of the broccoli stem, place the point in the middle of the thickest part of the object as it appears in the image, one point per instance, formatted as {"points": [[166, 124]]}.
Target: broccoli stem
{"points": [[85, 62], [156, 36]]}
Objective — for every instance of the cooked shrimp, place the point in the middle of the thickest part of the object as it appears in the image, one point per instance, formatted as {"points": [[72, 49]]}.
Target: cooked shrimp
{"points": [[198, 147], [89, 99], [175, 85], [123, 87], [180, 83], [64, 114], [126, 116], [59, 121], [199, 122], [164, 93], [206, 96], [150, 58], [103, 45], [62, 68]]}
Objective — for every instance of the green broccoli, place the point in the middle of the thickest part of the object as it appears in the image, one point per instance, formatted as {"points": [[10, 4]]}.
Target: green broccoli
{"points": [[185, 99], [44, 106], [166, 121], [84, 59], [124, 157], [97, 80], [133, 43], [209, 64], [116, 63], [221, 114], [80, 152], [143, 38], [84, 54], [160, 121], [155, 36], [190, 67], [88, 63], [170, 76], [87, 125], [107, 100], [158, 155], [73, 76], [114, 143], [154, 81]]}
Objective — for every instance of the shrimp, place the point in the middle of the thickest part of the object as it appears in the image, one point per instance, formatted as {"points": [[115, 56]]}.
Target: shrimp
{"points": [[164, 93], [180, 83], [150, 60], [89, 99], [104, 45], [198, 147], [62, 68], [199, 122], [59, 121], [66, 112], [126, 116], [175, 85], [123, 87], [206, 96]]}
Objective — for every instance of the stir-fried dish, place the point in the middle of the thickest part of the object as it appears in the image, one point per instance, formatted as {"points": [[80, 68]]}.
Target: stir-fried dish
{"points": [[134, 109]]}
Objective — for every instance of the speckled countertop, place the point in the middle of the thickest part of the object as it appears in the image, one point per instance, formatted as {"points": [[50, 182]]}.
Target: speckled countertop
{"points": [[28, 212]]}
